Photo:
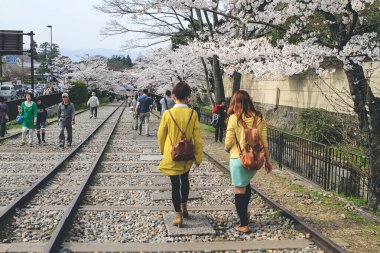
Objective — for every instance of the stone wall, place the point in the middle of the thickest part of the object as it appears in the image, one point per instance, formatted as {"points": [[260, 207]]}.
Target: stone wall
{"points": [[330, 92]]}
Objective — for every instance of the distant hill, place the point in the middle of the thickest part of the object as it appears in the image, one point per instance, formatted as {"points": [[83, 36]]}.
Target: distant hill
{"points": [[76, 54]]}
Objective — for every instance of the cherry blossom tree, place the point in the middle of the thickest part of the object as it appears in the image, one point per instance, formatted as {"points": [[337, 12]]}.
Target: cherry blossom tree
{"points": [[159, 21], [94, 72], [164, 67], [287, 37]]}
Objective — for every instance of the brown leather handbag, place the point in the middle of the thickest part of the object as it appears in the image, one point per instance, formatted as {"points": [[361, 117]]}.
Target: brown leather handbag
{"points": [[183, 150], [252, 155]]}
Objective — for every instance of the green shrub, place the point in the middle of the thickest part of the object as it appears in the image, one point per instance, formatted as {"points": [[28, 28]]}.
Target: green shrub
{"points": [[104, 100], [320, 125], [78, 92]]}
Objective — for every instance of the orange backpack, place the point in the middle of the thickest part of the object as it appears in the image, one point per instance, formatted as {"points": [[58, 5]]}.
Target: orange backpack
{"points": [[252, 155]]}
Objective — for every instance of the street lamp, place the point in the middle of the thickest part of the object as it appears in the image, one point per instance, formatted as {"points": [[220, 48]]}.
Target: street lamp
{"points": [[51, 51]]}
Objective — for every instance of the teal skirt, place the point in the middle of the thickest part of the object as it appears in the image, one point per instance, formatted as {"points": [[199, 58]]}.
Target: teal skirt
{"points": [[240, 176]]}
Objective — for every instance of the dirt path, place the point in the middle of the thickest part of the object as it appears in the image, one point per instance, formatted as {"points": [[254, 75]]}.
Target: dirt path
{"points": [[340, 221]]}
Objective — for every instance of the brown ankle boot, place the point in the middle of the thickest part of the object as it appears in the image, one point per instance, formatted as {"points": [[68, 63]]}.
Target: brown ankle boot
{"points": [[178, 219], [185, 213]]}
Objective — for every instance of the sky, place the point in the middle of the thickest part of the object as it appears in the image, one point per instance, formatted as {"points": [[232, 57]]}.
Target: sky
{"points": [[76, 24]]}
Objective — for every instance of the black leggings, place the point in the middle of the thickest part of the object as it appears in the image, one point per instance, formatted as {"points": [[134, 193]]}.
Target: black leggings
{"points": [[180, 190]]}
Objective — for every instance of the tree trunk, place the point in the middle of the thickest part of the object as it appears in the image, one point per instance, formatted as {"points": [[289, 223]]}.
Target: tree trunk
{"points": [[218, 79], [236, 82], [367, 107], [208, 85]]}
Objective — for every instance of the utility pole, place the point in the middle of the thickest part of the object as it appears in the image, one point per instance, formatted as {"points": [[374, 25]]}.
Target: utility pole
{"points": [[51, 52], [1, 69], [32, 58]]}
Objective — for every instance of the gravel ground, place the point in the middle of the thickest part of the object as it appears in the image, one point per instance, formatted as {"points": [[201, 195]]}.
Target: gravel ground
{"points": [[59, 197], [8, 196], [149, 180], [216, 197], [34, 167], [125, 167], [32, 226], [18, 181]]}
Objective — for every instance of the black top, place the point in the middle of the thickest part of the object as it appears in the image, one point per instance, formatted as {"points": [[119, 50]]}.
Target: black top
{"points": [[42, 113]]}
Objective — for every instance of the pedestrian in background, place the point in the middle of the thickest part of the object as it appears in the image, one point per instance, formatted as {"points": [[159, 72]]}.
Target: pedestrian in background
{"points": [[3, 117], [167, 102], [30, 112], [41, 121], [135, 113], [66, 120], [93, 102], [176, 124], [242, 111], [219, 115], [144, 108]]}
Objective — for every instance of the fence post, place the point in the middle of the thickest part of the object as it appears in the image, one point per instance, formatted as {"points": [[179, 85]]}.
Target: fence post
{"points": [[326, 181], [280, 162]]}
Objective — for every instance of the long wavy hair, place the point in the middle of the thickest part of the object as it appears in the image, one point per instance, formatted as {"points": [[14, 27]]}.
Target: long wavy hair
{"points": [[241, 104]]}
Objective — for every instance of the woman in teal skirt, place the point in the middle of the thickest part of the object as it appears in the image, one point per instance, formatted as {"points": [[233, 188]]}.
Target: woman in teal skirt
{"points": [[242, 108], [30, 112]]}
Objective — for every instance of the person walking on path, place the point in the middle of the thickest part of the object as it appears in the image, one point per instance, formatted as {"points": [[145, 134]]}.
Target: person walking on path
{"points": [[66, 120], [3, 117], [176, 122], [135, 113], [219, 114], [93, 102], [41, 121], [242, 110], [167, 102], [144, 108], [30, 112]]}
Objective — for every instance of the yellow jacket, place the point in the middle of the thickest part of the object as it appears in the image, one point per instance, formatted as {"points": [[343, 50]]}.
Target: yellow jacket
{"points": [[168, 128], [233, 128]]}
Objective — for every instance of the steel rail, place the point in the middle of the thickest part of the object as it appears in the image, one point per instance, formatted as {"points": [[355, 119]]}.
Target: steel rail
{"points": [[319, 239], [58, 235], [37, 185]]}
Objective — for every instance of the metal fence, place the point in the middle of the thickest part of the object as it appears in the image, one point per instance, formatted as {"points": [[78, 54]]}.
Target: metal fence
{"points": [[331, 168], [48, 100]]}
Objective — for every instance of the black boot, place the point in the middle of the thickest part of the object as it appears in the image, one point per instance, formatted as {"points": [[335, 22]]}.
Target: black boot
{"points": [[43, 137], [241, 208], [39, 138]]}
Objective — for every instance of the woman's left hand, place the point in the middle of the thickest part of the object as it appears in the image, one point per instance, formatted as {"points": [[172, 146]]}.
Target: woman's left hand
{"points": [[268, 166]]}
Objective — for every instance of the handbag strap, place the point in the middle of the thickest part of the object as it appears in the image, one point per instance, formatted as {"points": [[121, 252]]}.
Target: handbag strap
{"points": [[175, 122]]}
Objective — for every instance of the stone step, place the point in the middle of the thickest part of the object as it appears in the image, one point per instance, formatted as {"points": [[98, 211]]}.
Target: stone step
{"points": [[139, 208], [163, 247], [196, 224]]}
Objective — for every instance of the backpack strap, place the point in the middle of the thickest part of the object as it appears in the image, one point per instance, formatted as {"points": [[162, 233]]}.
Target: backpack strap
{"points": [[175, 122], [166, 103]]}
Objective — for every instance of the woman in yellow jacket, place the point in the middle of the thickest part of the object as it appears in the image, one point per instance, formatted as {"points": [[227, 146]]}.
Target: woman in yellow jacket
{"points": [[169, 133], [241, 108]]}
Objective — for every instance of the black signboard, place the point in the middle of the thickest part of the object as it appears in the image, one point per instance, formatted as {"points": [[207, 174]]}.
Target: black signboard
{"points": [[11, 42]]}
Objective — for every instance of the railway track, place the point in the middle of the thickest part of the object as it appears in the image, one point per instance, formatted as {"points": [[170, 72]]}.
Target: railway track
{"points": [[121, 203]]}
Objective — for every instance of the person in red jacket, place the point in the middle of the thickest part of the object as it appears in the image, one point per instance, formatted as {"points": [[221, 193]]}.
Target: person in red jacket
{"points": [[219, 125]]}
